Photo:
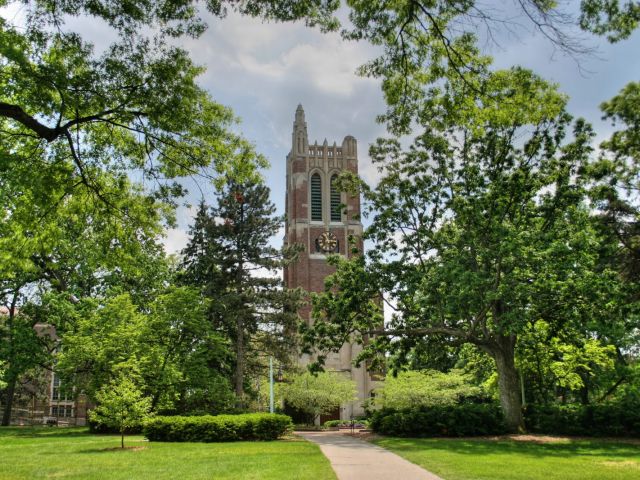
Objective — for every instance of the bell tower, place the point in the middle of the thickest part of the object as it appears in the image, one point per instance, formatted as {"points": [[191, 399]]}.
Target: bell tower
{"points": [[322, 219]]}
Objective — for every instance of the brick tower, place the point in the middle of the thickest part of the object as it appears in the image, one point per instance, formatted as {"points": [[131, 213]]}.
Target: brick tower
{"points": [[316, 221]]}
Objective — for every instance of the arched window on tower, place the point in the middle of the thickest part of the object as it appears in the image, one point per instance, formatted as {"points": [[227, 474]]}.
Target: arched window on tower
{"points": [[316, 197], [336, 214]]}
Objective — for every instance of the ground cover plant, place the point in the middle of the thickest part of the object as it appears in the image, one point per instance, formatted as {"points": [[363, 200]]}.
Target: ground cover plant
{"points": [[480, 459], [74, 453]]}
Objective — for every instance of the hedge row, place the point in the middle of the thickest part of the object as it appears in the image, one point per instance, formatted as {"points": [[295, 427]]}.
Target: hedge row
{"points": [[617, 419], [219, 428], [446, 421]]}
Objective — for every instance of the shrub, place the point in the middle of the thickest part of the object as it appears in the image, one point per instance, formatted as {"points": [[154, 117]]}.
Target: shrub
{"points": [[443, 420], [332, 423], [219, 428], [357, 423], [610, 419]]}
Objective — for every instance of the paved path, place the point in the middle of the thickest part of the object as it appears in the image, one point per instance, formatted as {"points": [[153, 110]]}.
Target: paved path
{"points": [[355, 459]]}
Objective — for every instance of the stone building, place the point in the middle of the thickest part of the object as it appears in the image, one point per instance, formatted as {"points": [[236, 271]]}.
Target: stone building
{"points": [[316, 221]]}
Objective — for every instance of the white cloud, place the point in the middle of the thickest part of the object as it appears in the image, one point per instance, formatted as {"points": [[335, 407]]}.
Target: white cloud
{"points": [[175, 240]]}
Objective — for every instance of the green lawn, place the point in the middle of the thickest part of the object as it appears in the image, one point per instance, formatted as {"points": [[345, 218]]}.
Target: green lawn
{"points": [[39, 453], [464, 459]]}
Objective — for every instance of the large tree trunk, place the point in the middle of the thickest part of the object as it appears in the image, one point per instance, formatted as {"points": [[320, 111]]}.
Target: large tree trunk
{"points": [[503, 352], [10, 393]]}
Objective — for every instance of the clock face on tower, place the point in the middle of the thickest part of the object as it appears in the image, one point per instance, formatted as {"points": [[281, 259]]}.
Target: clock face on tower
{"points": [[327, 242]]}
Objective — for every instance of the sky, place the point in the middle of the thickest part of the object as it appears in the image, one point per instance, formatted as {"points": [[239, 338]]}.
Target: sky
{"points": [[263, 70]]}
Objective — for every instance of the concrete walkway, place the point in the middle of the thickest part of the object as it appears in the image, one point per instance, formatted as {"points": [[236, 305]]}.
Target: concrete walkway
{"points": [[355, 459]]}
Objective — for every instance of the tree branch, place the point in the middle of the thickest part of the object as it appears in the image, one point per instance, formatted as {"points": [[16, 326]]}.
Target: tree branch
{"points": [[17, 113]]}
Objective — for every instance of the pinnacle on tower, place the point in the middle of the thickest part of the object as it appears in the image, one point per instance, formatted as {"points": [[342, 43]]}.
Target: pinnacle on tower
{"points": [[299, 140], [299, 114]]}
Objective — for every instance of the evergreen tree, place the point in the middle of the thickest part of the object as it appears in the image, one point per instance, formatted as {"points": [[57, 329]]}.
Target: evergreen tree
{"points": [[230, 257]]}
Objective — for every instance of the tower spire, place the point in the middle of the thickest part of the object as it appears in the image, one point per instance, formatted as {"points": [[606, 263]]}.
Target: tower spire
{"points": [[299, 139]]}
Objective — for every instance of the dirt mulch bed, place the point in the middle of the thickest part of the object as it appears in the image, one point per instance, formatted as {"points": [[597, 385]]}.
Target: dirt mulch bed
{"points": [[118, 449], [533, 438], [540, 438]]}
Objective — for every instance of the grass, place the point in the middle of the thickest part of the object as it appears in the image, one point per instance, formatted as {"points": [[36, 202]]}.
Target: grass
{"points": [[471, 459], [73, 453]]}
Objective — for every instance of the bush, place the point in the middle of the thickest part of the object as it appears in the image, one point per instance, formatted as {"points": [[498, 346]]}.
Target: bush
{"points": [[612, 419], [220, 428], [443, 420], [332, 423], [357, 423]]}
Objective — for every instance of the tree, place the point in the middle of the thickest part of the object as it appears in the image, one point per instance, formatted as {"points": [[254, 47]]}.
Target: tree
{"points": [[188, 361], [134, 107], [107, 340], [614, 183], [422, 41], [317, 394], [59, 247], [2, 382], [22, 348], [425, 388], [120, 406], [480, 230], [617, 178], [230, 257]]}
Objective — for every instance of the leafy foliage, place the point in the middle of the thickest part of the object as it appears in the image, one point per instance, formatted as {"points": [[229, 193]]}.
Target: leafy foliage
{"points": [[120, 405], [480, 229], [317, 394], [450, 421], [415, 389], [556, 365], [607, 419], [230, 257], [2, 370], [135, 107]]}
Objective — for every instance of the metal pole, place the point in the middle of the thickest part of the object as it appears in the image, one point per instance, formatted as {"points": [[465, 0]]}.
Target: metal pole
{"points": [[271, 409]]}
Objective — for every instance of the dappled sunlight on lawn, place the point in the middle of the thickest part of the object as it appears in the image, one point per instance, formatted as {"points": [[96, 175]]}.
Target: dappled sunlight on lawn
{"points": [[500, 458]]}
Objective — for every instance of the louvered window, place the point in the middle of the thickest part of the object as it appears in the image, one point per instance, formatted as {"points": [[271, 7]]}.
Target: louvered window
{"points": [[336, 214], [316, 197]]}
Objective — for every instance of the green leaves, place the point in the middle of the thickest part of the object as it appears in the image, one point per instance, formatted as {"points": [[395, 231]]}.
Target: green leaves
{"points": [[414, 389], [120, 405], [612, 18], [317, 394], [229, 257]]}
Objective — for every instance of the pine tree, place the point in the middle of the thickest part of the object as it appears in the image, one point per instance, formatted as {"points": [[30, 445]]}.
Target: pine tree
{"points": [[231, 258]]}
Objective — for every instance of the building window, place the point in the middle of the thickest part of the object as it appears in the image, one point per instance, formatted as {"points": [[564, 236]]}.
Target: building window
{"points": [[336, 214], [316, 197], [57, 392], [65, 411]]}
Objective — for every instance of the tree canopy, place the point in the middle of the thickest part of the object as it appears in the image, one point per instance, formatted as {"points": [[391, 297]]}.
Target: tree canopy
{"points": [[318, 394], [480, 230], [229, 257]]}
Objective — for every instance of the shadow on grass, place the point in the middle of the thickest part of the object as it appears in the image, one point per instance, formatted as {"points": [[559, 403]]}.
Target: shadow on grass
{"points": [[47, 432], [585, 448], [132, 448]]}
